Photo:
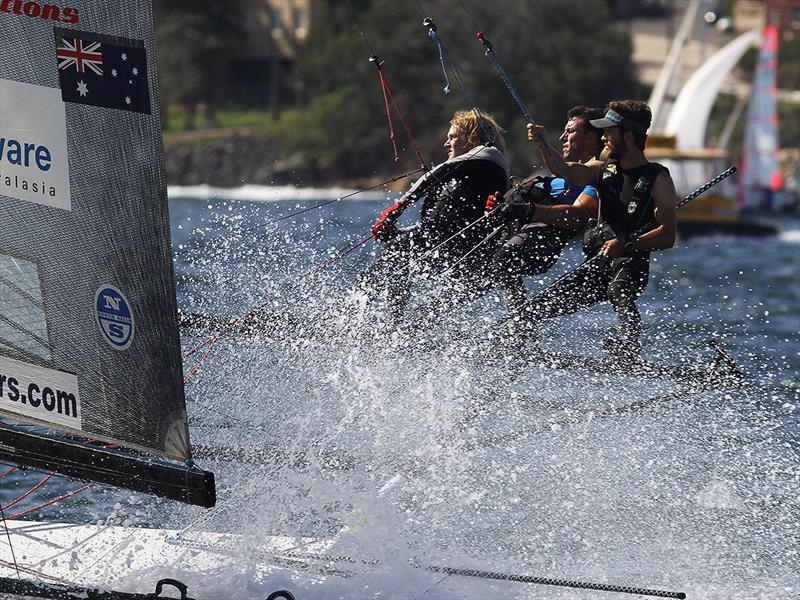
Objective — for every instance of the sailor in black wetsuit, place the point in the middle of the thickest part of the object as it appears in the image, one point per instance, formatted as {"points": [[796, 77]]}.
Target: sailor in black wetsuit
{"points": [[542, 224], [453, 196], [637, 215]]}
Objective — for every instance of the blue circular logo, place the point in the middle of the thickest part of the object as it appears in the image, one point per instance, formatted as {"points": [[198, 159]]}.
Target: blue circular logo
{"points": [[114, 317]]}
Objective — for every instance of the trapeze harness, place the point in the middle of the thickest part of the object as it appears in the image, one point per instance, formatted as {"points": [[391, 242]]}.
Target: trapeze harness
{"points": [[626, 205]]}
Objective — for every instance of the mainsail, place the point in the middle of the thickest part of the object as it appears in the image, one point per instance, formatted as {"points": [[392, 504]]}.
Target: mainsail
{"points": [[761, 174], [89, 341]]}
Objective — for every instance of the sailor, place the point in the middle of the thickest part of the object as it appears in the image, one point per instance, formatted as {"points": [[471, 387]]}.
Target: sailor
{"points": [[636, 216], [453, 196], [543, 223]]}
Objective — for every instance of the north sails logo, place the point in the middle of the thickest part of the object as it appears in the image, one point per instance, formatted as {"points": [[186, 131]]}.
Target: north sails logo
{"points": [[37, 10], [114, 317]]}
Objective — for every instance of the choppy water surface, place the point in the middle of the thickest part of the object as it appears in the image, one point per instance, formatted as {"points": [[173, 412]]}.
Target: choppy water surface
{"points": [[413, 457]]}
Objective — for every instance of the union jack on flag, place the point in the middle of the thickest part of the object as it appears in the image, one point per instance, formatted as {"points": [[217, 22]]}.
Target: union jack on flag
{"points": [[102, 70], [80, 54]]}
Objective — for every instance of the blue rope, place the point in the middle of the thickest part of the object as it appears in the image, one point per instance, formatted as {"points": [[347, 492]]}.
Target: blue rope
{"points": [[444, 58], [504, 76], [435, 37]]}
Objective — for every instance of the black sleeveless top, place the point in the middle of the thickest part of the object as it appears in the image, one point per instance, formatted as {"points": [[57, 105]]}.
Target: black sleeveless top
{"points": [[625, 200]]}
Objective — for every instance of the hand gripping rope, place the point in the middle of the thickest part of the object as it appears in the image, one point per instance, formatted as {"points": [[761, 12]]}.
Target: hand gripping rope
{"points": [[686, 199]]}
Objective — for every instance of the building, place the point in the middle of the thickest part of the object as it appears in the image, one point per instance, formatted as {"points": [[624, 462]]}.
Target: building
{"points": [[261, 69]]}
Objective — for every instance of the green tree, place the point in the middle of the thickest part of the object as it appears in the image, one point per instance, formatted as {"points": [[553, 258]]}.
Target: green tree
{"points": [[556, 55], [190, 35]]}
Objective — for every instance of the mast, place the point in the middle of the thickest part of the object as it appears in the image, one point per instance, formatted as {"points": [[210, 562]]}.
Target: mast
{"points": [[662, 96]]}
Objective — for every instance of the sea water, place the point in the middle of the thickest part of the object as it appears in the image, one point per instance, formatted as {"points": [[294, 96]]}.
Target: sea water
{"points": [[402, 457]]}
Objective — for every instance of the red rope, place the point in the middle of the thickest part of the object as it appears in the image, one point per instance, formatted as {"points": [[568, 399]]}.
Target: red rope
{"points": [[210, 342], [11, 470], [34, 572], [386, 94], [49, 502], [203, 358], [417, 151], [29, 492]]}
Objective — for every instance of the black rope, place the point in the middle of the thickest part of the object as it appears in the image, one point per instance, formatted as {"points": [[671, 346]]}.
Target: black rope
{"points": [[10, 544], [584, 585], [360, 28], [197, 243]]}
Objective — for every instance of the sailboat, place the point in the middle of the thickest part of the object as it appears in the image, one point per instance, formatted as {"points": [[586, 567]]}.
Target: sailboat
{"points": [[91, 383], [681, 144], [761, 176]]}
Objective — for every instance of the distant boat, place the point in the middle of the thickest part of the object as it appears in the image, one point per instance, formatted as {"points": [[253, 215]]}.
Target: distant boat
{"points": [[682, 148], [716, 212], [761, 177]]}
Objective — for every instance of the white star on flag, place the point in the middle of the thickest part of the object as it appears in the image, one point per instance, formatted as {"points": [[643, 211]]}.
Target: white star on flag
{"points": [[135, 71], [124, 56], [83, 89], [113, 72], [127, 100]]}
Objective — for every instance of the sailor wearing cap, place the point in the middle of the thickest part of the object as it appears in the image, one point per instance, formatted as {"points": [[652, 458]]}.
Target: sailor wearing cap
{"points": [[636, 216]]}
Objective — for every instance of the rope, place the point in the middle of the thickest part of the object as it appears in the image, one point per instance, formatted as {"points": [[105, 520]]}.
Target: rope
{"points": [[447, 63], [346, 196], [211, 341], [584, 585], [193, 244], [378, 62], [387, 94], [473, 249], [10, 543], [49, 502], [44, 480]]}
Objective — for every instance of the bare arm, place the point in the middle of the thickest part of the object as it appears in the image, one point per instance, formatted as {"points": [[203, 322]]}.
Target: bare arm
{"points": [[567, 216], [577, 173]]}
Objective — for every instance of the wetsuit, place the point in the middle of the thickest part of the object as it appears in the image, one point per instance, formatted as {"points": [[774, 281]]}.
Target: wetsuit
{"points": [[533, 248], [453, 196], [626, 206]]}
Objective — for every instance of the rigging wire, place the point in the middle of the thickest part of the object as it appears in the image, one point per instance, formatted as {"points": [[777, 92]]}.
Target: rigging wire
{"points": [[211, 341], [387, 95], [490, 53], [350, 195], [197, 243], [448, 63], [10, 543]]}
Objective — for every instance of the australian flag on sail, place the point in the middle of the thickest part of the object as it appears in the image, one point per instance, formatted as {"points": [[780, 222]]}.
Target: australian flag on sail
{"points": [[102, 70]]}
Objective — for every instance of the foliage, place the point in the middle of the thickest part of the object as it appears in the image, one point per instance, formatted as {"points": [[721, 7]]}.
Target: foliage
{"points": [[190, 34], [557, 57], [789, 64]]}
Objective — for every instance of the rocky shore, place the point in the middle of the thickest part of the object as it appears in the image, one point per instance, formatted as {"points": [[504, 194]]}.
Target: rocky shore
{"points": [[230, 159]]}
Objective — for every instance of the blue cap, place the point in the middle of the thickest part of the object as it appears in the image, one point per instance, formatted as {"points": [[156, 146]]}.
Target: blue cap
{"points": [[614, 119]]}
